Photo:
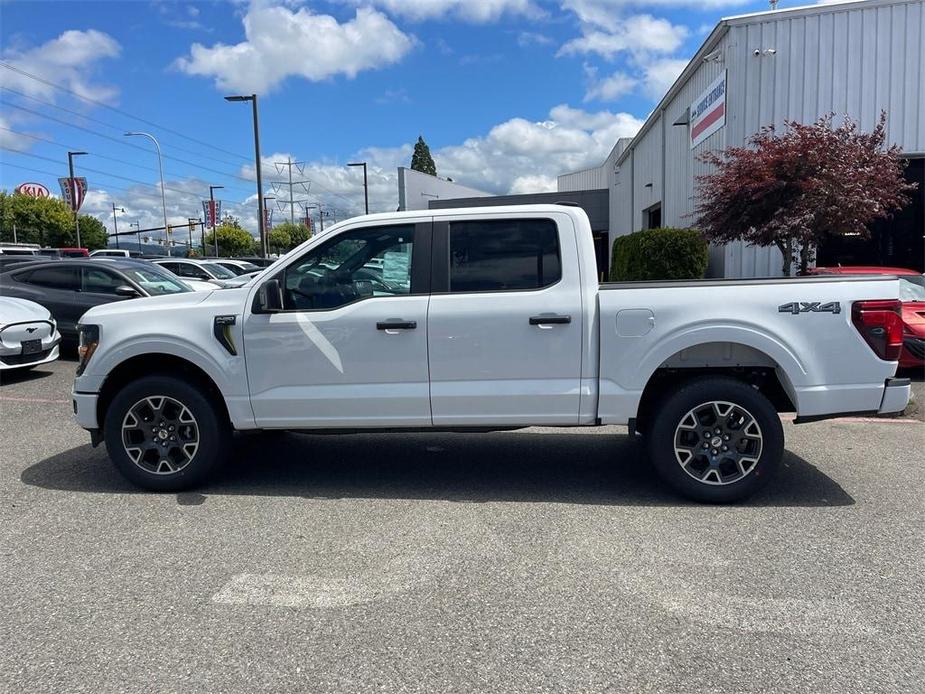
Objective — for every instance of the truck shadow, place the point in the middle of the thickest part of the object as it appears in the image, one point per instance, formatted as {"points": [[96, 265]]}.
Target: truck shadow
{"points": [[514, 466]]}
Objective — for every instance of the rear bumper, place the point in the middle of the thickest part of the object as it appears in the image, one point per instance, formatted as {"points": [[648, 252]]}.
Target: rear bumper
{"points": [[896, 394]]}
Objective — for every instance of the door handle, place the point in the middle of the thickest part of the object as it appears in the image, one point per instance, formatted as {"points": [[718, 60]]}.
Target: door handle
{"points": [[396, 325], [550, 319]]}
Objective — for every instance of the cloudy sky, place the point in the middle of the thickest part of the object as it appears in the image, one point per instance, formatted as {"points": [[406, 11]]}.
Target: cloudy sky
{"points": [[508, 93]]}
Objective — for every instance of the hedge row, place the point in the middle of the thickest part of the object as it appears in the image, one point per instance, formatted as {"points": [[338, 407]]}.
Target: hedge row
{"points": [[659, 254]]}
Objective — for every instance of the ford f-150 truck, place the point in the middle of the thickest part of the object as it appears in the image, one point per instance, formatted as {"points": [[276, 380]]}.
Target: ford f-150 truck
{"points": [[485, 319]]}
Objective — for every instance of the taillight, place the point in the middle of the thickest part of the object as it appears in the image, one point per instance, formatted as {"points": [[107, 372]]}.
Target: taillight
{"points": [[881, 325]]}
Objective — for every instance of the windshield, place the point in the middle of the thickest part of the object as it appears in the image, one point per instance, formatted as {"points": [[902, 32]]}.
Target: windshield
{"points": [[157, 283], [912, 288], [219, 271]]}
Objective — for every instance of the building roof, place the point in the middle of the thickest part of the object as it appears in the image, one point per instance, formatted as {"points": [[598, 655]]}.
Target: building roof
{"points": [[738, 20]]}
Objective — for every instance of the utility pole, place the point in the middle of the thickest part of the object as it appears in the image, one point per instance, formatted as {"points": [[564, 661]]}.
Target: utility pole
{"points": [[306, 185], [72, 186], [115, 222], [365, 183]]}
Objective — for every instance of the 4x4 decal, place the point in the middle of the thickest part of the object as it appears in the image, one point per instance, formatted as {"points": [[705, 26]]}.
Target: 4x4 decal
{"points": [[796, 307]]}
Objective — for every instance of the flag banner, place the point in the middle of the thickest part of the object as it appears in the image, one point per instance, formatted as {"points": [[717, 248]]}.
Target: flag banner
{"points": [[73, 190], [211, 212]]}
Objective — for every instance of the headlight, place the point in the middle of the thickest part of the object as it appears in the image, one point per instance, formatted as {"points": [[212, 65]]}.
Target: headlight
{"points": [[89, 339]]}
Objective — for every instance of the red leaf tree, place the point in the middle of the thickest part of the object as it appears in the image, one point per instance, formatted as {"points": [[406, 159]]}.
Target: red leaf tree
{"points": [[792, 190]]}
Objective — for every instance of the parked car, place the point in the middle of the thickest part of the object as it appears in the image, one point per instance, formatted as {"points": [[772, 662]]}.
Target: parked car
{"points": [[114, 253], [238, 267], [242, 280], [28, 334], [494, 320], [912, 296], [257, 260], [8, 261], [63, 252], [68, 288], [189, 268], [19, 249]]}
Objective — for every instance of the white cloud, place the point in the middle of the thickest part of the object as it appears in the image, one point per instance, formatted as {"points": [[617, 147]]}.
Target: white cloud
{"points": [[661, 74], [533, 38], [636, 35], [479, 11], [608, 14], [281, 42], [516, 156], [69, 60], [610, 88]]}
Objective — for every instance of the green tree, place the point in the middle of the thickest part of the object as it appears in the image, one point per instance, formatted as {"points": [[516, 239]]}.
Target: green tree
{"points": [[232, 240], [279, 240], [298, 233], [421, 159], [45, 221], [93, 233]]}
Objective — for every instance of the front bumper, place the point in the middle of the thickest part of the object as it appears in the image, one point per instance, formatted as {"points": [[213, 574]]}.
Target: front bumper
{"points": [[85, 410], [896, 394]]}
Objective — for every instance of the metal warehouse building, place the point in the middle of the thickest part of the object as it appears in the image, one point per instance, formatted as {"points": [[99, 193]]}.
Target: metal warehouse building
{"points": [[855, 58]]}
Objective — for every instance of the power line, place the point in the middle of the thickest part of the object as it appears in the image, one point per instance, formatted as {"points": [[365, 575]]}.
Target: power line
{"points": [[108, 125], [16, 69]]}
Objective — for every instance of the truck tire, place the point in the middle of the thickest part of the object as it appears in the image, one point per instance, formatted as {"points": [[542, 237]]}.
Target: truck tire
{"points": [[716, 440], [165, 434]]}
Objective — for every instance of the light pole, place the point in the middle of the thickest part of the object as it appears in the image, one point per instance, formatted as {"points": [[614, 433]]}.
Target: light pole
{"points": [[72, 186], [115, 222], [365, 183], [260, 211], [266, 220], [160, 166], [137, 226], [214, 219]]}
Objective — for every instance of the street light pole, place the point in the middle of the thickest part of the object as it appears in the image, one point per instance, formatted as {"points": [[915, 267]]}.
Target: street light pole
{"points": [[72, 186], [260, 207], [160, 166], [115, 222], [214, 219], [365, 183], [137, 226]]}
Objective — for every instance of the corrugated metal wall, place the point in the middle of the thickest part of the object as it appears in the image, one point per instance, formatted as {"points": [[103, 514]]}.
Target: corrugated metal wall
{"points": [[847, 59], [589, 179]]}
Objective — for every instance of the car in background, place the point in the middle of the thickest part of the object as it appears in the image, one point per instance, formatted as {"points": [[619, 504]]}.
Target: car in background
{"points": [[242, 280], [191, 269], [912, 296], [257, 260], [114, 253], [238, 267], [19, 248], [8, 261], [28, 334], [63, 252], [68, 288]]}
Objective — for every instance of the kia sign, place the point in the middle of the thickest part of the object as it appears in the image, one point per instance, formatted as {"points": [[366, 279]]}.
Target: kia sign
{"points": [[33, 190], [708, 112], [78, 186]]}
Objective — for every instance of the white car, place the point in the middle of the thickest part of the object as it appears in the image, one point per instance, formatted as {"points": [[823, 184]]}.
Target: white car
{"points": [[114, 253], [238, 267], [28, 334], [192, 269], [485, 319]]}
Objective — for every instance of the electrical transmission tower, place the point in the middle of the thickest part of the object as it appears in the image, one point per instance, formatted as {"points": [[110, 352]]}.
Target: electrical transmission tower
{"points": [[305, 185]]}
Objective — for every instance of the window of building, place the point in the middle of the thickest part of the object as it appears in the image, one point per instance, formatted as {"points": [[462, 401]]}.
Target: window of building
{"points": [[652, 217], [504, 255]]}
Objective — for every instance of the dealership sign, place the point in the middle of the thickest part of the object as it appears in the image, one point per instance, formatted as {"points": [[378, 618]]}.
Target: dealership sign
{"points": [[73, 190], [708, 112], [33, 190], [211, 212]]}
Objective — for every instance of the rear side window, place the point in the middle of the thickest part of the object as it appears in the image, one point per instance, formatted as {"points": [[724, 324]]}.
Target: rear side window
{"points": [[504, 255], [65, 278]]}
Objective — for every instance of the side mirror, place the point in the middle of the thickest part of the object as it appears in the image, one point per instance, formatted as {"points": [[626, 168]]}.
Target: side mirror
{"points": [[269, 298], [126, 291]]}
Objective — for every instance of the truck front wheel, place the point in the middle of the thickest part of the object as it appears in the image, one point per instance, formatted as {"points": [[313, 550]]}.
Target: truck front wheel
{"points": [[716, 440], [165, 434]]}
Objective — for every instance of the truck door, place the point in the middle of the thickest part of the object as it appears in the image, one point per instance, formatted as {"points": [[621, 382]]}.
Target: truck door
{"points": [[504, 323], [349, 348]]}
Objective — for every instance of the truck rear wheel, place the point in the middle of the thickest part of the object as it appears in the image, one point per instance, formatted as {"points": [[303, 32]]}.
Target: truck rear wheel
{"points": [[716, 440], [165, 434]]}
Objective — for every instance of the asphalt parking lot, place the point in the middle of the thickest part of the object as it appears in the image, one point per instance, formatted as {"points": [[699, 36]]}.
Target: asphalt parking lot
{"points": [[534, 561]]}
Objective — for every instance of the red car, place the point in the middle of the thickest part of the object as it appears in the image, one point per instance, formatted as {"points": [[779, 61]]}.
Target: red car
{"points": [[912, 295]]}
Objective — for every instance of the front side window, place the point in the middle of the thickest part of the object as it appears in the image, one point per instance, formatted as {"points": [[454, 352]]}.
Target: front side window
{"points": [[219, 271], [503, 255], [156, 283], [358, 264], [98, 281], [192, 271]]}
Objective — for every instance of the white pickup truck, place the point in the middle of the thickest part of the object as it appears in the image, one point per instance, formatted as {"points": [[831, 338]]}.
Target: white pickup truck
{"points": [[485, 319]]}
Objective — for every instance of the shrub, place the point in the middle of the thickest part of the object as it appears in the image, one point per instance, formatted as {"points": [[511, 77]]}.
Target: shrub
{"points": [[659, 254]]}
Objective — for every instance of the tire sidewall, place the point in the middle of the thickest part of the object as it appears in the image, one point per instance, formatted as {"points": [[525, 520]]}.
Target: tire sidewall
{"points": [[213, 432], [674, 407]]}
